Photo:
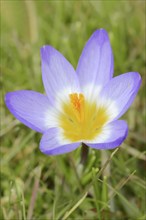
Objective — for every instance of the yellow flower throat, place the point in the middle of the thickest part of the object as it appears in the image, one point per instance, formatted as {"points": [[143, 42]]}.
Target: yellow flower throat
{"points": [[81, 119]]}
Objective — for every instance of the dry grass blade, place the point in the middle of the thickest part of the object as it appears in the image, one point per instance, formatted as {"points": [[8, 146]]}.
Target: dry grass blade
{"points": [[9, 127], [114, 191], [74, 207], [106, 163], [134, 152], [121, 184], [137, 137], [34, 194]]}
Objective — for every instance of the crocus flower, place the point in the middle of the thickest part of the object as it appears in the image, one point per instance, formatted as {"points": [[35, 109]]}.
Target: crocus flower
{"points": [[81, 106]]}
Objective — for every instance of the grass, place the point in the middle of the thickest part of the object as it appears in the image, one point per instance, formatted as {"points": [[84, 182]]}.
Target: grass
{"points": [[112, 184]]}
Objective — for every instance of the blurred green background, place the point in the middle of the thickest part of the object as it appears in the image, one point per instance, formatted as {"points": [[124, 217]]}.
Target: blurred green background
{"points": [[34, 186]]}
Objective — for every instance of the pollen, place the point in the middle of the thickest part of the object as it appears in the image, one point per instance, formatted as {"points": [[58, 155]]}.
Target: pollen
{"points": [[81, 119]]}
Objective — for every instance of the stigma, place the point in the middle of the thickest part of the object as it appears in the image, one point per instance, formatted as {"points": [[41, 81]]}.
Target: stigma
{"points": [[77, 101]]}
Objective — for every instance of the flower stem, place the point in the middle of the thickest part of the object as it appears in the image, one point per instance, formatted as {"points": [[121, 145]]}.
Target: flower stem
{"points": [[84, 154]]}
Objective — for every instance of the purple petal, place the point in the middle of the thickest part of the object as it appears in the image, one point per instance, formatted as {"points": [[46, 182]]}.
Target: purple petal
{"points": [[30, 108], [58, 74], [121, 91], [112, 135], [95, 65], [52, 144]]}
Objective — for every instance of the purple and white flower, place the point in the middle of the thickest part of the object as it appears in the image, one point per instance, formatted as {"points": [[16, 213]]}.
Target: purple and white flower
{"points": [[81, 106]]}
